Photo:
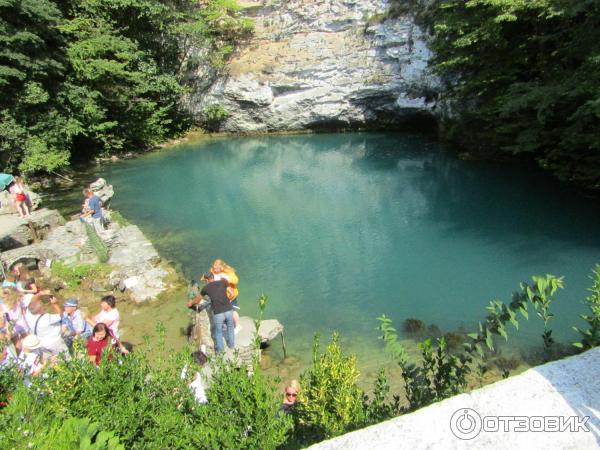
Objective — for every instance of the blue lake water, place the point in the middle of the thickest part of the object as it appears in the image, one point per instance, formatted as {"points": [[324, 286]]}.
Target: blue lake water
{"points": [[338, 229]]}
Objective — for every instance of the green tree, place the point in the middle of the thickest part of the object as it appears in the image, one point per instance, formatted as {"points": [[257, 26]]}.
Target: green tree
{"points": [[88, 77], [522, 77]]}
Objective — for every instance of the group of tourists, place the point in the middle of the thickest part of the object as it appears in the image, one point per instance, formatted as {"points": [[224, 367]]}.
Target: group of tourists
{"points": [[35, 329]]}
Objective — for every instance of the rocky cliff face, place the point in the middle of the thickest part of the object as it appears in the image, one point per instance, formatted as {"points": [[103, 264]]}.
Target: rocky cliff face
{"points": [[315, 64]]}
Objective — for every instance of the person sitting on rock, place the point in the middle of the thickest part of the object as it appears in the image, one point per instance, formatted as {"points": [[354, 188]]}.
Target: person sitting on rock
{"points": [[92, 211], [222, 311]]}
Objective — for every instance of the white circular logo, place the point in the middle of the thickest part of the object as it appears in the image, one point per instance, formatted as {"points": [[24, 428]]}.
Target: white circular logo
{"points": [[465, 423]]}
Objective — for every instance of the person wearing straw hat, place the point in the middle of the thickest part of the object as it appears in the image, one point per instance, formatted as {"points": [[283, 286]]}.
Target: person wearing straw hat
{"points": [[31, 359]]}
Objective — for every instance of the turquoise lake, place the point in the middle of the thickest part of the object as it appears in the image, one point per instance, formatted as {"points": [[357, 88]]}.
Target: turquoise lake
{"points": [[338, 229]]}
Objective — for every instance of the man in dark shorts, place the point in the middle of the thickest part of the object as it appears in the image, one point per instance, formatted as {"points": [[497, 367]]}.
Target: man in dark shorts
{"points": [[222, 310]]}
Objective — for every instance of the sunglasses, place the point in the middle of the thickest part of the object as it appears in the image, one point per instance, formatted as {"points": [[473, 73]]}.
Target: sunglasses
{"points": [[291, 395]]}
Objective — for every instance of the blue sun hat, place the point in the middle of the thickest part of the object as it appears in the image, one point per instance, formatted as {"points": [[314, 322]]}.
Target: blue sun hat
{"points": [[72, 302]]}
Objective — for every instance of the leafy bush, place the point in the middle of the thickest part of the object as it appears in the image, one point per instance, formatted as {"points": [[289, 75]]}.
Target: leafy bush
{"points": [[243, 410], [87, 77], [117, 217], [379, 409], [331, 402], [440, 373], [522, 78], [213, 116], [591, 336], [97, 244], [10, 378], [143, 400]]}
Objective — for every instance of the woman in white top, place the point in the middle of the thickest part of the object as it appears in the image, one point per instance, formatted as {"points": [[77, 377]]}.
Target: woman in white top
{"points": [[108, 315], [12, 308], [196, 384]]}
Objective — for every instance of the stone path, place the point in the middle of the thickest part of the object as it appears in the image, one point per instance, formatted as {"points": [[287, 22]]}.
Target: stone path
{"points": [[509, 414]]}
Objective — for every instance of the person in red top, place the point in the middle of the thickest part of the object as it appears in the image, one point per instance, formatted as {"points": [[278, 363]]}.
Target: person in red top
{"points": [[101, 338]]}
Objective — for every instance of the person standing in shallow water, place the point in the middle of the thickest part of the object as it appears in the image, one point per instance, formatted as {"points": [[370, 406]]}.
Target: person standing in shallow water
{"points": [[222, 310]]}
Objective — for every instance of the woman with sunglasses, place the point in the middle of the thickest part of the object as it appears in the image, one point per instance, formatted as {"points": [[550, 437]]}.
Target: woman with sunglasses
{"points": [[290, 396]]}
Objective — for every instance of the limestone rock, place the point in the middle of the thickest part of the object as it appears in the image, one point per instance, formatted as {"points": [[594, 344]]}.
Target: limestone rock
{"points": [[103, 190], [16, 232], [323, 64], [136, 262]]}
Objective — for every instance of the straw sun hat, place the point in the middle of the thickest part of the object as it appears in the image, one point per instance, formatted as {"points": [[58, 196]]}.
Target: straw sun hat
{"points": [[31, 342]]}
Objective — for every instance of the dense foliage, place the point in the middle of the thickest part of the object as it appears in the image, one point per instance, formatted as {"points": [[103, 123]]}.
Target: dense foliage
{"points": [[591, 336], [521, 77], [142, 401], [331, 401], [79, 78]]}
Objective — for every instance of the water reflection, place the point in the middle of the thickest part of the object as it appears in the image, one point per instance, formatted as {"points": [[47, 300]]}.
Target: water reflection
{"points": [[339, 229]]}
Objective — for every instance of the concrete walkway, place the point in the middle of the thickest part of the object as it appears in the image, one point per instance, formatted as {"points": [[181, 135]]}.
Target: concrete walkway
{"points": [[554, 406]]}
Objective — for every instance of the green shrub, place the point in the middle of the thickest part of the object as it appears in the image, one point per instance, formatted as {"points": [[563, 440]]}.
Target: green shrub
{"points": [[9, 380], [98, 245], [591, 336], [213, 116], [440, 373], [330, 401], [117, 217], [379, 409], [143, 400], [243, 410]]}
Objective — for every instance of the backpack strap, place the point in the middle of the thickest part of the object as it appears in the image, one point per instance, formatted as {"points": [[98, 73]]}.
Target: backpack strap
{"points": [[36, 323]]}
